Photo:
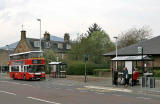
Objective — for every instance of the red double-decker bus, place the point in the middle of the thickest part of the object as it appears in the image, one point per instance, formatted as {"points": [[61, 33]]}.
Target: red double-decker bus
{"points": [[27, 66]]}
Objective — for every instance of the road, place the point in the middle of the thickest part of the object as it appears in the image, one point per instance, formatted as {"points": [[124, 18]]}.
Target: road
{"points": [[63, 92]]}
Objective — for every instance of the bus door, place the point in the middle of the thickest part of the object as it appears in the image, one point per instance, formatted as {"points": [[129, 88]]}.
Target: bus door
{"points": [[26, 68], [20, 71], [14, 71]]}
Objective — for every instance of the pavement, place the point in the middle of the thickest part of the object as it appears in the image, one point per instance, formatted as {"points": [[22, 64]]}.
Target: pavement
{"points": [[105, 83]]}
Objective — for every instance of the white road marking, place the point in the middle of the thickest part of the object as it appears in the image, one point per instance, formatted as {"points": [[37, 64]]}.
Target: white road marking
{"points": [[69, 89], [70, 85], [42, 100], [8, 92], [83, 91], [61, 84], [108, 88], [27, 84], [3, 81], [117, 95], [99, 93], [144, 98], [17, 83]]}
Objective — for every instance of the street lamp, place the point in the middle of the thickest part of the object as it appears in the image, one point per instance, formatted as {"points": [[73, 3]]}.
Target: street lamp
{"points": [[116, 49], [8, 55], [40, 32], [8, 52], [1, 65]]}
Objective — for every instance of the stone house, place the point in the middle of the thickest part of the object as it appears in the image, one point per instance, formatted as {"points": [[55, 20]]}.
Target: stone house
{"points": [[4, 57], [31, 44]]}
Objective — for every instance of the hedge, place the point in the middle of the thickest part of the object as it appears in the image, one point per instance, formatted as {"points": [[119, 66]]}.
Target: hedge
{"points": [[78, 67], [156, 73]]}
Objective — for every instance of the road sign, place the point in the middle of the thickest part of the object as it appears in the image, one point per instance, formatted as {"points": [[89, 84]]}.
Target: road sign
{"points": [[140, 49]]}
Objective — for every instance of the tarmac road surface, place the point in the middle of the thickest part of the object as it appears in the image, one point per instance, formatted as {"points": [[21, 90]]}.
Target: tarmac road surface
{"points": [[15, 92]]}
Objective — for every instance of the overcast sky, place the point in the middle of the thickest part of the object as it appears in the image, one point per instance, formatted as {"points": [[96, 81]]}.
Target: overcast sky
{"points": [[75, 16]]}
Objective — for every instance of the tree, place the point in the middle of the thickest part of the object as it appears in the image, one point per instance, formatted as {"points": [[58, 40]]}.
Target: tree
{"points": [[133, 36], [101, 44], [49, 56], [98, 44], [93, 28]]}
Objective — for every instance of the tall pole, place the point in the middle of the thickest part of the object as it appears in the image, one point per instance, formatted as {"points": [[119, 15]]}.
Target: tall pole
{"points": [[1, 65], [116, 49], [8, 55], [8, 52], [85, 70], [40, 33], [85, 73]]}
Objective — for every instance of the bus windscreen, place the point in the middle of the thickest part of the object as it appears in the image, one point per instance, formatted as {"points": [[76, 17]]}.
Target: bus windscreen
{"points": [[36, 68]]}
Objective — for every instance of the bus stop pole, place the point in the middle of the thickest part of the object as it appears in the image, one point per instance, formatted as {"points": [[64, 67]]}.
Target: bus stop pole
{"points": [[85, 73]]}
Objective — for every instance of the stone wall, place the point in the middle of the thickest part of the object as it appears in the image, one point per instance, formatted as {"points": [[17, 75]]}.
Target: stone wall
{"points": [[3, 58]]}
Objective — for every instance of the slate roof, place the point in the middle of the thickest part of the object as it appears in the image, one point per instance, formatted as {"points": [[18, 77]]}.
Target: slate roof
{"points": [[53, 45], [150, 47]]}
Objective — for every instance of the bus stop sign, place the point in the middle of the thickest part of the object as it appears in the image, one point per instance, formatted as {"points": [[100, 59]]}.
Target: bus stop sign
{"points": [[140, 50]]}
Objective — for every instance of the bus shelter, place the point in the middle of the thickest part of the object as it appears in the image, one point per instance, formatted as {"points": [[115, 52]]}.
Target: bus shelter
{"points": [[58, 69], [144, 62]]}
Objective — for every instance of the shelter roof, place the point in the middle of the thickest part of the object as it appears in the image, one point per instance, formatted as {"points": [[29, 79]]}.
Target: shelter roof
{"points": [[131, 58]]}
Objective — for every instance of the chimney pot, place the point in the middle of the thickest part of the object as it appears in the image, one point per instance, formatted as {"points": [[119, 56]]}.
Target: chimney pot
{"points": [[66, 37], [46, 36]]}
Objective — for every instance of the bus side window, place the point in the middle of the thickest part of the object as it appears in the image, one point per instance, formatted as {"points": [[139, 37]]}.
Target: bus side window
{"points": [[22, 69], [14, 69], [25, 68]]}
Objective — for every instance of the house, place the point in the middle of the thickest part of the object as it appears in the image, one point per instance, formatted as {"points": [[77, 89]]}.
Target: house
{"points": [[150, 47], [31, 44], [4, 57]]}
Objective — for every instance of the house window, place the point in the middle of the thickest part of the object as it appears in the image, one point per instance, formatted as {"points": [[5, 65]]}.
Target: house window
{"points": [[68, 46], [36, 43], [62, 55], [60, 45], [47, 44]]}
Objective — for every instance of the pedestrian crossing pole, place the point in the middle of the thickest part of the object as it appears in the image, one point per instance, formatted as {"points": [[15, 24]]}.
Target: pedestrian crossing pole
{"points": [[85, 71]]}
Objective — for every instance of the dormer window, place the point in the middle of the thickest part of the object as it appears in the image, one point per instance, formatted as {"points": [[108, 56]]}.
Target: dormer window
{"points": [[68, 46], [47, 44], [36, 44], [60, 45]]}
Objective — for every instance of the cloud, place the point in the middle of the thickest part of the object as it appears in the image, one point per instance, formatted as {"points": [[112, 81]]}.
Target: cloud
{"points": [[72, 16]]}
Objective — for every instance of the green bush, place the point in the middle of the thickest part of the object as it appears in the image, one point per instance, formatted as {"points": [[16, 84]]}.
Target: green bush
{"points": [[96, 71], [78, 67]]}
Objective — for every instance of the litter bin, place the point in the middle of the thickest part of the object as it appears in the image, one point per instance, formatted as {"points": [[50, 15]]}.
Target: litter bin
{"points": [[151, 82], [148, 82], [144, 81]]}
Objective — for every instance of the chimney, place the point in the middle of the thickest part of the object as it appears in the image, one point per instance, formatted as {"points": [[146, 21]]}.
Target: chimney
{"points": [[46, 36], [66, 37], [23, 34]]}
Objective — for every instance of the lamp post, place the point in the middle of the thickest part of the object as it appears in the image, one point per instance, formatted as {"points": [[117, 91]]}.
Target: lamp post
{"points": [[116, 49], [1, 65], [8, 56], [8, 52], [40, 32]]}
